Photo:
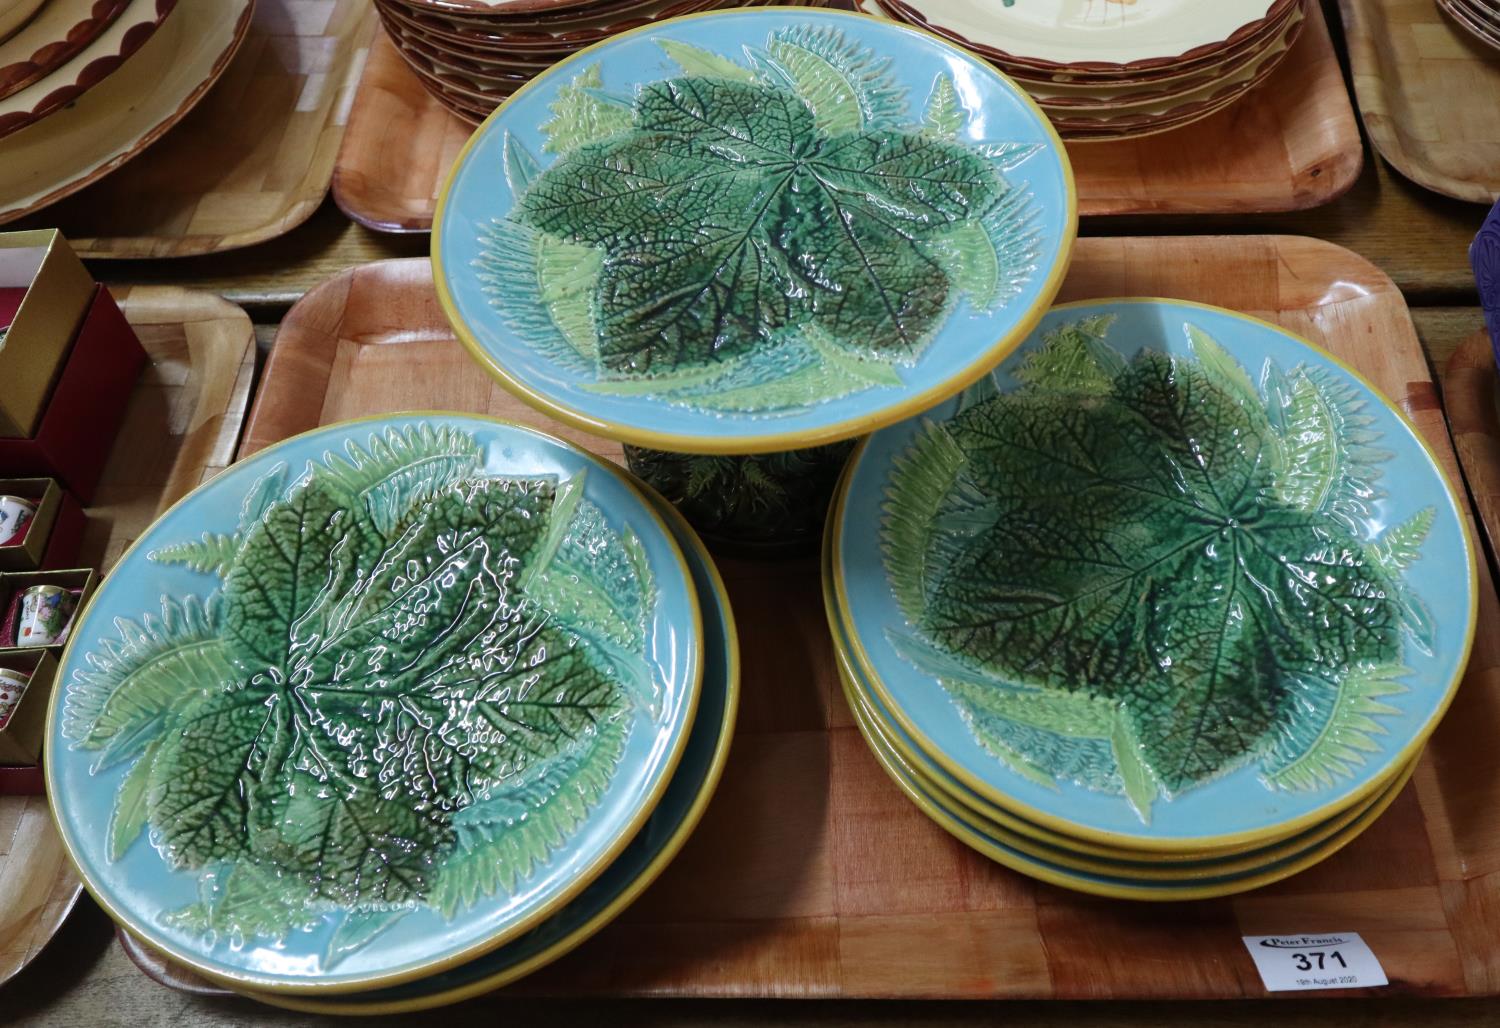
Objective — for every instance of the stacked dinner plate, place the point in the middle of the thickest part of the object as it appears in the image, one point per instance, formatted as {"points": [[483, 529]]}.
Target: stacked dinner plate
{"points": [[472, 54], [1166, 608], [64, 49], [1110, 69], [392, 713], [1480, 17], [85, 85]]}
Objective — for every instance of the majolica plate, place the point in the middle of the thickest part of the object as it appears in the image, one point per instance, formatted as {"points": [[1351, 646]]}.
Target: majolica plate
{"points": [[974, 835], [753, 230], [1171, 579], [374, 702], [1037, 841], [1141, 869], [648, 854]]}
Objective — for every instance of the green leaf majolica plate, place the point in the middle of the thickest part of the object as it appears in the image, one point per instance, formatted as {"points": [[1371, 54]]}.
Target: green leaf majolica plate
{"points": [[633, 871], [374, 702], [1170, 579], [753, 231]]}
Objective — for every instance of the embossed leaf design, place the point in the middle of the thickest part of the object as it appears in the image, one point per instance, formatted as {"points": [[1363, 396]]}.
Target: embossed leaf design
{"points": [[396, 642], [726, 215], [1137, 530], [771, 231], [1123, 532]]}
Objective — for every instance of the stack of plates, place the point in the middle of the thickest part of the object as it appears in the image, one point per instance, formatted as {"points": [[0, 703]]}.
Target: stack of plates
{"points": [[85, 85], [392, 713], [472, 54], [1479, 17], [67, 48], [1164, 609], [1105, 69]]}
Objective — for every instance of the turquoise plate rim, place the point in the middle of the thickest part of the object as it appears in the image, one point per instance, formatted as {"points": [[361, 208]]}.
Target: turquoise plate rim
{"points": [[629, 822], [966, 832], [711, 436], [1149, 838], [915, 758]]}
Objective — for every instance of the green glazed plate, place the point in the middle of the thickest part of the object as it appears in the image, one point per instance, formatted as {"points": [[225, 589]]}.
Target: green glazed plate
{"points": [[753, 230], [1172, 580], [1038, 842], [648, 854], [373, 702], [975, 835]]}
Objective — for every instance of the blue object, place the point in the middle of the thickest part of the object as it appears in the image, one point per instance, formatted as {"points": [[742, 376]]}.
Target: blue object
{"points": [[346, 946], [1484, 255]]}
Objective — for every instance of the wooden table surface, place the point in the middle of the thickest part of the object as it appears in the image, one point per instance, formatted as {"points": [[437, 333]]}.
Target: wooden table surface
{"points": [[1419, 239]]}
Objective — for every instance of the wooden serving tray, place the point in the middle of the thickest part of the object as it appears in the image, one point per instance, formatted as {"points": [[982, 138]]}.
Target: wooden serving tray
{"points": [[184, 420], [1290, 145], [181, 427], [37, 884], [811, 875], [254, 158], [1429, 94]]}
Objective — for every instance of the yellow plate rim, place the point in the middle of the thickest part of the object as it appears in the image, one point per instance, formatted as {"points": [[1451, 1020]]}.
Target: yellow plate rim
{"points": [[971, 837], [1210, 867], [773, 441], [1117, 840], [1077, 853], [564, 895]]}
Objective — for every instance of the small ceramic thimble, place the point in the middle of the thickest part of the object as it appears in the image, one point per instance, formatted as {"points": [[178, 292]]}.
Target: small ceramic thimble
{"points": [[12, 685], [15, 514], [46, 611]]}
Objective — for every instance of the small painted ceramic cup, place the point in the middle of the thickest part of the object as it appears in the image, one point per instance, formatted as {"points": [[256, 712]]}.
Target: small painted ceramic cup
{"points": [[46, 612], [15, 515], [12, 685]]}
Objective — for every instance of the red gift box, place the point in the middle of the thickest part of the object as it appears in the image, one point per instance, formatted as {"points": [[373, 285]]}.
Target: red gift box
{"points": [[10, 303], [67, 535], [23, 781], [78, 428], [53, 537], [21, 734]]}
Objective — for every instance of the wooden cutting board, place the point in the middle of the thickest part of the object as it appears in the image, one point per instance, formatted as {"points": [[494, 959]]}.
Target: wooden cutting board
{"points": [[811, 875], [1290, 145], [1429, 94]]}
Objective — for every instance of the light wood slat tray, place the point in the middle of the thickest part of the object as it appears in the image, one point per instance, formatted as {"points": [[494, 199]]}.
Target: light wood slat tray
{"points": [[1290, 145], [181, 427], [811, 875], [253, 160], [184, 420], [37, 886], [1429, 94]]}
